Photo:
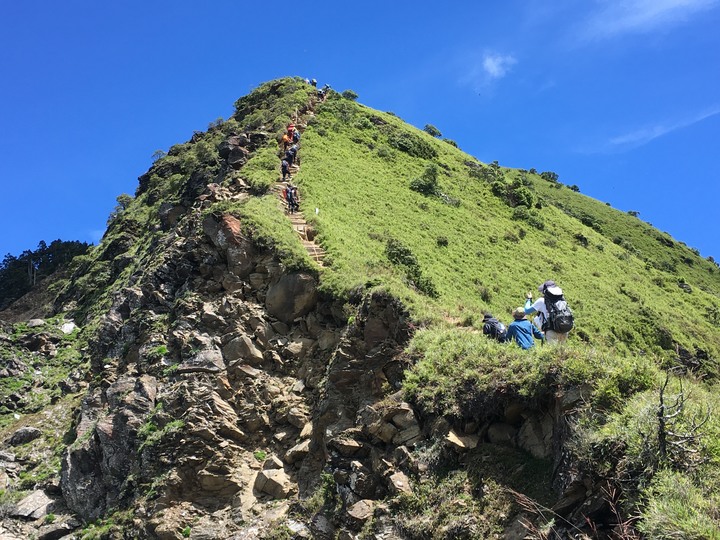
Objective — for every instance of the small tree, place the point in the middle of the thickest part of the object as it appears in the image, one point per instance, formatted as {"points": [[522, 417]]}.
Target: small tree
{"points": [[633, 213], [123, 201], [432, 130], [158, 154], [549, 176], [575, 188], [349, 94], [427, 184]]}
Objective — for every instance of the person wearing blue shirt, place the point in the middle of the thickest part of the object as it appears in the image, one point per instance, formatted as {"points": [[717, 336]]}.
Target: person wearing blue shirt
{"points": [[522, 331]]}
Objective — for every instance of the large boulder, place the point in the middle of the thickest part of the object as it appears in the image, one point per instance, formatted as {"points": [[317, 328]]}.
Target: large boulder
{"points": [[293, 296], [243, 348], [237, 157], [273, 482], [24, 435]]}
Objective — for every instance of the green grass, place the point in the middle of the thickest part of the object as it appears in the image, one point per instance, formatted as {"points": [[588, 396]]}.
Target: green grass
{"points": [[464, 374], [360, 185]]}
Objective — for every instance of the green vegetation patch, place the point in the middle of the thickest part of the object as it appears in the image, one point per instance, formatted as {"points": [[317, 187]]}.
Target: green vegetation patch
{"points": [[465, 374]]}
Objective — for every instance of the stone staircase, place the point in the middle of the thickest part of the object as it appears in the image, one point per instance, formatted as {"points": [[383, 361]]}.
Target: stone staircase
{"points": [[300, 226]]}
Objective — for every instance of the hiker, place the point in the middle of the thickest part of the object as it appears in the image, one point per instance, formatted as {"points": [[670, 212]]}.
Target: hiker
{"points": [[522, 331], [554, 317], [291, 154], [494, 328], [295, 198], [285, 166], [290, 194], [286, 140], [322, 93], [313, 82], [295, 135]]}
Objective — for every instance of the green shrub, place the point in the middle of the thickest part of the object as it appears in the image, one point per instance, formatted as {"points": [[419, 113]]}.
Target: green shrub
{"points": [[411, 144], [427, 184], [432, 131], [349, 94]]}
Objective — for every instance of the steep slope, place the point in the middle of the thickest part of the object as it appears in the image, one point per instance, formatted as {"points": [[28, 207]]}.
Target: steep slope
{"points": [[491, 248], [236, 389]]}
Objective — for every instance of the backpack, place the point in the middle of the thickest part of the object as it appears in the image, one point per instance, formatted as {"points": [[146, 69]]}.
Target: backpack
{"points": [[560, 316], [495, 329], [296, 136]]}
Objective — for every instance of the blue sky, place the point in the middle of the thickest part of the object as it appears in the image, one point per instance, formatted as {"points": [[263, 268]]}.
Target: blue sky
{"points": [[621, 98]]}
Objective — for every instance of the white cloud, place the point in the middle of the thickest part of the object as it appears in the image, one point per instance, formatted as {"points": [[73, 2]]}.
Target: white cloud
{"points": [[617, 17], [639, 137], [496, 66], [482, 71]]}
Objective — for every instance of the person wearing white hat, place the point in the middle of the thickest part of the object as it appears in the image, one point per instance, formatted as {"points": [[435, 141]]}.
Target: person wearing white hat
{"points": [[539, 307]]}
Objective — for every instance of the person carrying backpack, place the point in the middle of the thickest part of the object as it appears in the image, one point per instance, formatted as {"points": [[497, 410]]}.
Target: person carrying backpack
{"points": [[494, 328], [290, 155], [295, 198], [289, 198], [555, 318], [285, 166], [522, 331]]}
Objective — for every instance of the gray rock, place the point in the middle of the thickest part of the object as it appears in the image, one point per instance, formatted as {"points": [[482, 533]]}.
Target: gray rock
{"points": [[461, 442], [206, 361], [68, 327], [500, 433], [34, 323], [6, 457], [240, 259], [346, 446], [535, 436], [360, 512], [274, 482], [238, 157], [408, 437], [242, 347], [24, 435], [294, 295], [55, 531], [298, 452], [34, 506], [400, 483], [272, 462]]}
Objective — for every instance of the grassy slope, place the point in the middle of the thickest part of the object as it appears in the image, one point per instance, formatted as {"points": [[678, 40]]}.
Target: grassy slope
{"points": [[360, 182], [620, 300], [621, 276]]}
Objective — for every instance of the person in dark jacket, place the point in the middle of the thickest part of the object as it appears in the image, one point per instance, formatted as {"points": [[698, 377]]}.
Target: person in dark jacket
{"points": [[285, 167], [494, 328], [522, 331]]}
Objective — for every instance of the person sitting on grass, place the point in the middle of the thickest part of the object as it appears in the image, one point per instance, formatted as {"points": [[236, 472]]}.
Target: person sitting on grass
{"points": [[522, 331]]}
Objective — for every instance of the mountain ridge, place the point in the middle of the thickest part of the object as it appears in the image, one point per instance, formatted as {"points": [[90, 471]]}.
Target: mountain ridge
{"points": [[227, 374]]}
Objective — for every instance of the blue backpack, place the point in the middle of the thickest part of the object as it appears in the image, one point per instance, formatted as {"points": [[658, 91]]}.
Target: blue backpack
{"points": [[296, 136]]}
